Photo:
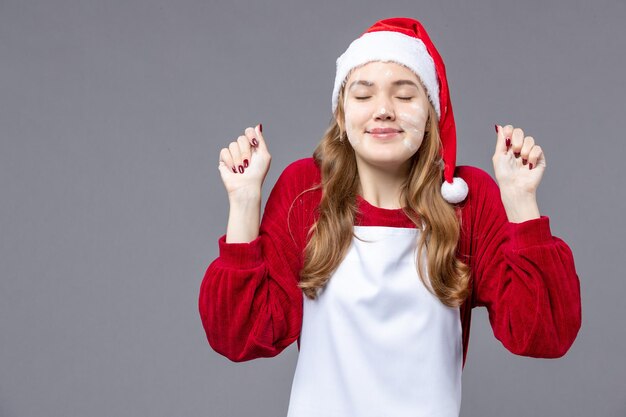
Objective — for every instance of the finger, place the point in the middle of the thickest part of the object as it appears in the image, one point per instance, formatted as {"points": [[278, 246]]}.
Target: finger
{"points": [[258, 130], [529, 142], [517, 140], [224, 168], [507, 131], [236, 153], [500, 142], [227, 159], [245, 149], [536, 157]]}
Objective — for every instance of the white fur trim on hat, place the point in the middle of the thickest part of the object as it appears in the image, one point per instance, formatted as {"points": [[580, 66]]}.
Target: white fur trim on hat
{"points": [[389, 46], [455, 192]]}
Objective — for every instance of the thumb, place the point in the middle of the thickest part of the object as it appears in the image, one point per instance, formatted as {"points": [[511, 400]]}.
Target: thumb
{"points": [[224, 170], [500, 141]]}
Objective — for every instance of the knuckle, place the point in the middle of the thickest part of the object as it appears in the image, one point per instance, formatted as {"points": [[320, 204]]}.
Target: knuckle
{"points": [[245, 149]]}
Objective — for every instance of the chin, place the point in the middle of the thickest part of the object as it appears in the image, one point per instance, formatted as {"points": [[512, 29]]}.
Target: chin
{"points": [[382, 162]]}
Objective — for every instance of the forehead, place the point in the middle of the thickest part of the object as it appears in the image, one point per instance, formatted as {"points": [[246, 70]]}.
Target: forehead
{"points": [[378, 72]]}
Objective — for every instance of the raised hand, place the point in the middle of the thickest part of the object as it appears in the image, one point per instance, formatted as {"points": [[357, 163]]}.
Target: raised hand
{"points": [[244, 164], [518, 162]]}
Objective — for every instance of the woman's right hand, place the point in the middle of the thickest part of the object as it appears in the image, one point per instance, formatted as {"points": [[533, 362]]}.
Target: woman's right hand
{"points": [[243, 165]]}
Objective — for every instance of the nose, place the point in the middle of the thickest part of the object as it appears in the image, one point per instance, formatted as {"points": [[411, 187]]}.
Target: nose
{"points": [[384, 110]]}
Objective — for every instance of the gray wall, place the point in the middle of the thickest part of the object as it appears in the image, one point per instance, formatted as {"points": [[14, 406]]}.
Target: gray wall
{"points": [[112, 115]]}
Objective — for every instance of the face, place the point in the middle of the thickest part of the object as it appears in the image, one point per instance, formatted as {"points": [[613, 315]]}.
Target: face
{"points": [[386, 109]]}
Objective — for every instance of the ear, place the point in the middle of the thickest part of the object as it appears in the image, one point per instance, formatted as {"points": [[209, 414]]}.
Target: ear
{"points": [[340, 123]]}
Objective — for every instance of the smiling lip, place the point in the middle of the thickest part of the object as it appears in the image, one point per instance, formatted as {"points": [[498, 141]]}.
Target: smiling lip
{"points": [[383, 133], [384, 130]]}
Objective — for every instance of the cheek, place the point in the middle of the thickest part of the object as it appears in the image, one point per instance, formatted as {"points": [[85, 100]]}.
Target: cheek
{"points": [[414, 119], [413, 122], [355, 119], [357, 112]]}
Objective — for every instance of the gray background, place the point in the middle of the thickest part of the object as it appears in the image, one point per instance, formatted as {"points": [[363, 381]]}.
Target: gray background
{"points": [[112, 115]]}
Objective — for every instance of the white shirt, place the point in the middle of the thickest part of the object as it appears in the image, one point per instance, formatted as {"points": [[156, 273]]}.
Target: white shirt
{"points": [[376, 342]]}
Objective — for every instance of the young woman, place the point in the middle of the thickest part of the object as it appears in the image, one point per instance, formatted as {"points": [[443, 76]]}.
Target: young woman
{"points": [[372, 253]]}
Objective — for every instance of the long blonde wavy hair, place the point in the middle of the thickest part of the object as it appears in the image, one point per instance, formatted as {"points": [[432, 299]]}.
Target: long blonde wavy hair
{"points": [[329, 238]]}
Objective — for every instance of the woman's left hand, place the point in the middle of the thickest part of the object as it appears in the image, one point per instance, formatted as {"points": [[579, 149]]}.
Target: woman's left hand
{"points": [[520, 165]]}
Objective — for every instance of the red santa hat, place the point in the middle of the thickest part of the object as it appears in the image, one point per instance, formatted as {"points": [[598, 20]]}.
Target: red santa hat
{"points": [[405, 41]]}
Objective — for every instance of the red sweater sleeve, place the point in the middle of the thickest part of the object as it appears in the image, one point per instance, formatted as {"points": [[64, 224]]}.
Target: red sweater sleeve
{"points": [[249, 302], [524, 276]]}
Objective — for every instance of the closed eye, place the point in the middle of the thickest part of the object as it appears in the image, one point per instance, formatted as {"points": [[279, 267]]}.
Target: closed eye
{"points": [[401, 98]]}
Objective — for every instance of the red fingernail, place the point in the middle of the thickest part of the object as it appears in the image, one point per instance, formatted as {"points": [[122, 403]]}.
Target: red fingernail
{"points": [[496, 128], [530, 166], [254, 142], [240, 169], [245, 163], [524, 161], [261, 127], [508, 143], [234, 170], [517, 154]]}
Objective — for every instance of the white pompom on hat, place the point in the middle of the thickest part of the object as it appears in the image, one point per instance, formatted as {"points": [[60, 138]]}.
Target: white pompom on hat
{"points": [[405, 41]]}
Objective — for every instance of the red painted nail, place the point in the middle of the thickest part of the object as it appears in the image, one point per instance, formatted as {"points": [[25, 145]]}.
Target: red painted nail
{"points": [[530, 166], [261, 127], [524, 161], [508, 143], [255, 143], [245, 163], [240, 169], [496, 128], [517, 154]]}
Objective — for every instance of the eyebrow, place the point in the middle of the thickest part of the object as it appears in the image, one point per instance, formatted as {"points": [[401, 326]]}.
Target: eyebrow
{"points": [[370, 84]]}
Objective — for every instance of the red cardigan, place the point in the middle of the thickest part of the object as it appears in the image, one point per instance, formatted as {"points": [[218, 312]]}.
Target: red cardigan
{"points": [[251, 307]]}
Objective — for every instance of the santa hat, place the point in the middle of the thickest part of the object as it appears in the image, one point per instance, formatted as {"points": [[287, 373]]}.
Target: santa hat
{"points": [[405, 41]]}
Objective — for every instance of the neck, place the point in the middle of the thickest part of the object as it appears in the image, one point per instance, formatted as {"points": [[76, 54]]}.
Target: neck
{"points": [[382, 187]]}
